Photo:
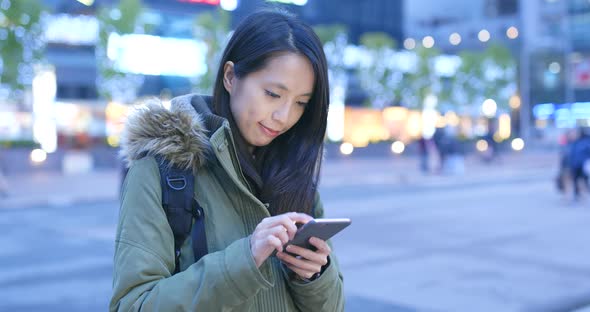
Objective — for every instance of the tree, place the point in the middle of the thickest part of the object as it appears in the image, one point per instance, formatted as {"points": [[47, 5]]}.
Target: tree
{"points": [[468, 83], [112, 83], [334, 39], [482, 75], [213, 29], [21, 46], [377, 71], [421, 82], [499, 71]]}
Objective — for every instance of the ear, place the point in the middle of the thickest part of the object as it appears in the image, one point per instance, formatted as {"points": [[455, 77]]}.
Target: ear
{"points": [[228, 76]]}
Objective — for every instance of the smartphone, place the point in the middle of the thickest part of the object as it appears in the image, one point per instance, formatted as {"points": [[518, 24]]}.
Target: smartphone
{"points": [[323, 229]]}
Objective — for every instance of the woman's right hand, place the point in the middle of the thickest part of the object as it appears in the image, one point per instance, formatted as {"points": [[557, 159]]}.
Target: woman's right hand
{"points": [[273, 233]]}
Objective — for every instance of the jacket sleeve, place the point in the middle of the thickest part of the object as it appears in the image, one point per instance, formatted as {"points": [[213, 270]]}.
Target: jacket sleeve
{"points": [[326, 293], [144, 258]]}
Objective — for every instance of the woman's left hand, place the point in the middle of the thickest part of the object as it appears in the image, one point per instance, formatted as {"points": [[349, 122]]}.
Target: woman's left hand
{"points": [[307, 262]]}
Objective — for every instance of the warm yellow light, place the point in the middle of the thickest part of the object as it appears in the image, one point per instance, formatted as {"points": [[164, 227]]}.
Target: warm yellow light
{"points": [[541, 123], [409, 43], [428, 42], [360, 138], [38, 156], [466, 126], [517, 144], [395, 113], [504, 126], [398, 147], [497, 137], [455, 38], [414, 125], [113, 140], [346, 148], [364, 125], [441, 121], [514, 102], [452, 118], [481, 145], [512, 32], [483, 35], [115, 111]]}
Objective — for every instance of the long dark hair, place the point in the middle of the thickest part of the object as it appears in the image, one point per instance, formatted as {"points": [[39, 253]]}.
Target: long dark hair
{"points": [[285, 173]]}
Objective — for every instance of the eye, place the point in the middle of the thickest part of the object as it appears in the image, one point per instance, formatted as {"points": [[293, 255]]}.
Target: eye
{"points": [[302, 103], [272, 94]]}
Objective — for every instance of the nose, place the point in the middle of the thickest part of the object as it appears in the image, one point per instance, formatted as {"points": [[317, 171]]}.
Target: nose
{"points": [[281, 113]]}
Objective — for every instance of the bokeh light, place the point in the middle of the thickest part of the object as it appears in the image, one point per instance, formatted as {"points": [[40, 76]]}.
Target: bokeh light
{"points": [[483, 35], [398, 147], [428, 42], [346, 148], [455, 38], [481, 145], [517, 144], [512, 32], [38, 156], [409, 43]]}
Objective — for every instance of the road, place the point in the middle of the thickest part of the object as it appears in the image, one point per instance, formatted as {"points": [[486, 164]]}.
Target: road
{"points": [[497, 239]]}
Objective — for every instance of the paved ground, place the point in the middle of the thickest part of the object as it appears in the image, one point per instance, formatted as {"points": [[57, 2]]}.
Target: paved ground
{"points": [[498, 238]]}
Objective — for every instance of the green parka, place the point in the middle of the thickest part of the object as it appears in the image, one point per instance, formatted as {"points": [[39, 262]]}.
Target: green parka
{"points": [[227, 278]]}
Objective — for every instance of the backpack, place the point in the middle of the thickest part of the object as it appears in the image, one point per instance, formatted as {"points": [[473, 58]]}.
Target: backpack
{"points": [[182, 209]]}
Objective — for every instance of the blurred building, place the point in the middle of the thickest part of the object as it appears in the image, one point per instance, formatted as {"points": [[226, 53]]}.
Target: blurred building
{"points": [[455, 25], [548, 38], [72, 35], [358, 16], [73, 29]]}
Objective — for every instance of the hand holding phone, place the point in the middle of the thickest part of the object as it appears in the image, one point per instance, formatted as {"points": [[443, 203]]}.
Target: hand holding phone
{"points": [[323, 229], [301, 256]]}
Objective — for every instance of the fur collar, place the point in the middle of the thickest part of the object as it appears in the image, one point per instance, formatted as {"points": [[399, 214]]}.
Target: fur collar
{"points": [[178, 134]]}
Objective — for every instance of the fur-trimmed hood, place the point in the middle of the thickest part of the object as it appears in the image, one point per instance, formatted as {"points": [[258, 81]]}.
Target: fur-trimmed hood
{"points": [[178, 134]]}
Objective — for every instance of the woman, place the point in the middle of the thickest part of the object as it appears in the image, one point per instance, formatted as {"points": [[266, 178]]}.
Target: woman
{"points": [[255, 148]]}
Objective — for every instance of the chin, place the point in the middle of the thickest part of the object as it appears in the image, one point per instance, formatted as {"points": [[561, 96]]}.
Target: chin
{"points": [[261, 143]]}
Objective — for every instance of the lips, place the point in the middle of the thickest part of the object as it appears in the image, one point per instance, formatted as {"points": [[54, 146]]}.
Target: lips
{"points": [[268, 131]]}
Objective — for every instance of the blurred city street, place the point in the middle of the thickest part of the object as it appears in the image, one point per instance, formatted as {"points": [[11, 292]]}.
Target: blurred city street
{"points": [[498, 238], [449, 123]]}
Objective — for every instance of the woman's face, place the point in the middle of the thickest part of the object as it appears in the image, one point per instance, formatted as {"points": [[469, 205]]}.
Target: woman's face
{"points": [[268, 102]]}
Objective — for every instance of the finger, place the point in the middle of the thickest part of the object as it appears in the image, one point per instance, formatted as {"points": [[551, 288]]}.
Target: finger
{"points": [[315, 257], [302, 263], [300, 272], [278, 231], [321, 245], [285, 221], [274, 242], [299, 217]]}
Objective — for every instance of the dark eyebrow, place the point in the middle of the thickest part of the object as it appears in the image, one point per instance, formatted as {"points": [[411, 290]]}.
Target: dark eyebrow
{"points": [[283, 87]]}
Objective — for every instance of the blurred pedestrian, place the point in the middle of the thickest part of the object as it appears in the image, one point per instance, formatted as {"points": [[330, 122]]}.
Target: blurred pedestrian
{"points": [[564, 174], [256, 148], [423, 152], [454, 161], [578, 158], [439, 138], [3, 180]]}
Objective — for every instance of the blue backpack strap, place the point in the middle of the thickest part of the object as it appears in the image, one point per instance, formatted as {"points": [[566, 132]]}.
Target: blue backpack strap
{"points": [[181, 209]]}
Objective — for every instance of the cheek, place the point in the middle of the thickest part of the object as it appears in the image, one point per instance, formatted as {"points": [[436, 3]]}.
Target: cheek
{"points": [[296, 116]]}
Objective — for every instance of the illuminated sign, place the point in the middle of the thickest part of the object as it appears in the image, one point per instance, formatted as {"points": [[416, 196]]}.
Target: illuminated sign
{"points": [[211, 2], [152, 55], [70, 29], [295, 2]]}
